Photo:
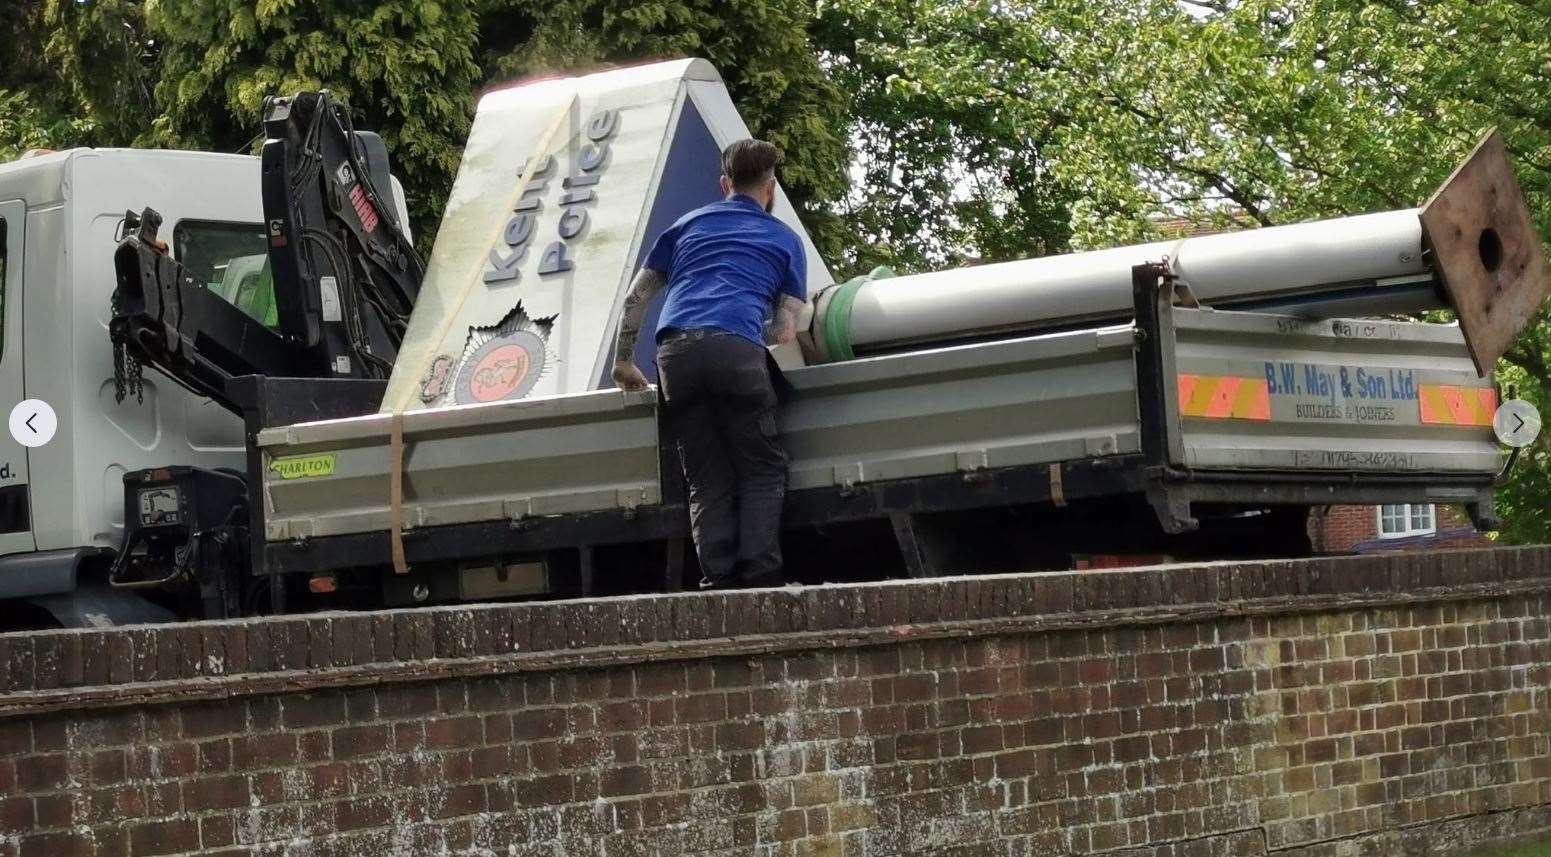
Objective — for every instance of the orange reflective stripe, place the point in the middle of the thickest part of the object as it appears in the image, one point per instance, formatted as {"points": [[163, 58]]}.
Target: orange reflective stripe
{"points": [[1196, 395], [1485, 406], [1449, 405], [1221, 405], [1223, 397], [1455, 398], [1187, 388], [1254, 401], [1434, 409]]}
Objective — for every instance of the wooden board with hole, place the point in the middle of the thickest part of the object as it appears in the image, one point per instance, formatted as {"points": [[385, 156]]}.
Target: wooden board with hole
{"points": [[1486, 251]]}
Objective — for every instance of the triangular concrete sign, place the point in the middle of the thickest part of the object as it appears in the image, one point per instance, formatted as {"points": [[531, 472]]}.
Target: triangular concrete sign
{"points": [[564, 185]]}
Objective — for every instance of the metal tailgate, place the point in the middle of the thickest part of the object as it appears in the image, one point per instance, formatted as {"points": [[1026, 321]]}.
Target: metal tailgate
{"points": [[1035, 400], [497, 461], [1264, 392]]}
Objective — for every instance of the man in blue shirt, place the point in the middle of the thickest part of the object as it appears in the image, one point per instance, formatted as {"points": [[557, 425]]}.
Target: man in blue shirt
{"points": [[728, 267]]}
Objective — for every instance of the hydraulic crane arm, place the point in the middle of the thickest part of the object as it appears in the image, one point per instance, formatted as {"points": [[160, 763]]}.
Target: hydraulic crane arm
{"points": [[163, 315], [343, 273], [351, 274]]}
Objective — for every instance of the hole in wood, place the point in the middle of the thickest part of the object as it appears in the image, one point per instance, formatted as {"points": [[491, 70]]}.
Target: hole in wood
{"points": [[1491, 249]]}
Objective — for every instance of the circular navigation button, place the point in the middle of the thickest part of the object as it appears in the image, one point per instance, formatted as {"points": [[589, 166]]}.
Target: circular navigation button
{"points": [[1516, 422], [33, 422]]}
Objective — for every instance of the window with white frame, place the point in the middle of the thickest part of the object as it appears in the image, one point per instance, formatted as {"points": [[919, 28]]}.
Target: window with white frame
{"points": [[1407, 519]]}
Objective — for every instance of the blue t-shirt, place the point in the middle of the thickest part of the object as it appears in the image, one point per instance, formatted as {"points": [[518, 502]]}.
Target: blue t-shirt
{"points": [[726, 262]]}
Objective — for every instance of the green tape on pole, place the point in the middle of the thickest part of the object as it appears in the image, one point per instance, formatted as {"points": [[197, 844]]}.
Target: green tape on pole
{"points": [[837, 317]]}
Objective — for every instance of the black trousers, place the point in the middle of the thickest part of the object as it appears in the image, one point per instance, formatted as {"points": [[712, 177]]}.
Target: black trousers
{"points": [[721, 408]]}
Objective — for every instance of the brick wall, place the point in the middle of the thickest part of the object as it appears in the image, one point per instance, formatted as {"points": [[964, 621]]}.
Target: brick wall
{"points": [[1343, 529], [1372, 705]]}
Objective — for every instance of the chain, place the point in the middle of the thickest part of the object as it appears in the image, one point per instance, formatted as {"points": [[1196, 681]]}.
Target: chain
{"points": [[128, 373]]}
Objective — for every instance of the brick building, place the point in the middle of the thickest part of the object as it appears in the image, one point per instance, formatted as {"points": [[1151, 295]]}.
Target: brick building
{"points": [[1404, 527]]}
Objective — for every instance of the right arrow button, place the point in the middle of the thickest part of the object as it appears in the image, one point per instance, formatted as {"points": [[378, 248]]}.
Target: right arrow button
{"points": [[1517, 423]]}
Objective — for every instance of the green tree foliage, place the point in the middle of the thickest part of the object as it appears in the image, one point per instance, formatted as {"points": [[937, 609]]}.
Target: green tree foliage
{"points": [[760, 47], [1291, 110], [37, 108], [949, 132], [194, 73], [104, 53]]}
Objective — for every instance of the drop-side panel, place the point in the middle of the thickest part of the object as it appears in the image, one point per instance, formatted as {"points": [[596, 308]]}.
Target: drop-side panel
{"points": [[1251, 392], [1275, 393], [1001, 404], [504, 460]]}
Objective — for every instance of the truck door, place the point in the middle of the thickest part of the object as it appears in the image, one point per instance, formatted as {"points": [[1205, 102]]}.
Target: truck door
{"points": [[15, 515]]}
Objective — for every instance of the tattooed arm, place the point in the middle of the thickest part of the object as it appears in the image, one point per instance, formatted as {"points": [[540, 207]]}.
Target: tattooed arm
{"points": [[646, 285], [782, 326]]}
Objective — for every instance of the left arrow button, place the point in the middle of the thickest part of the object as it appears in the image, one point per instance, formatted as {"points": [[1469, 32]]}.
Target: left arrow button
{"points": [[33, 422]]}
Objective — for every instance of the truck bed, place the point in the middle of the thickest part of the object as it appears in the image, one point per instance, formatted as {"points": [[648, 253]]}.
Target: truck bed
{"points": [[1193, 406]]}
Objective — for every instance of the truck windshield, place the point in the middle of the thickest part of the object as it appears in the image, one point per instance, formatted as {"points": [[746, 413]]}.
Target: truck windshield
{"points": [[233, 260]]}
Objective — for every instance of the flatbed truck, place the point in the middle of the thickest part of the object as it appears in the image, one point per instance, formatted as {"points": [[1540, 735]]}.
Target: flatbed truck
{"points": [[1189, 398]]}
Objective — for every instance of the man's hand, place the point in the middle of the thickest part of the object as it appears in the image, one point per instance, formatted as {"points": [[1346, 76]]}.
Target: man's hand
{"points": [[629, 377], [782, 326]]}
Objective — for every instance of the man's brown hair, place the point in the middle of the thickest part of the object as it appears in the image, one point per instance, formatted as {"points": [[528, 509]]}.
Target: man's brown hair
{"points": [[746, 163]]}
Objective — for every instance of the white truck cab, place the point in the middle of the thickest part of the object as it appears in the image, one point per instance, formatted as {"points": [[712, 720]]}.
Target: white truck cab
{"points": [[62, 504]]}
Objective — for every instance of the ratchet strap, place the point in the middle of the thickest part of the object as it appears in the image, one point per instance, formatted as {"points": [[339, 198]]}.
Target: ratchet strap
{"points": [[396, 490], [471, 277]]}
